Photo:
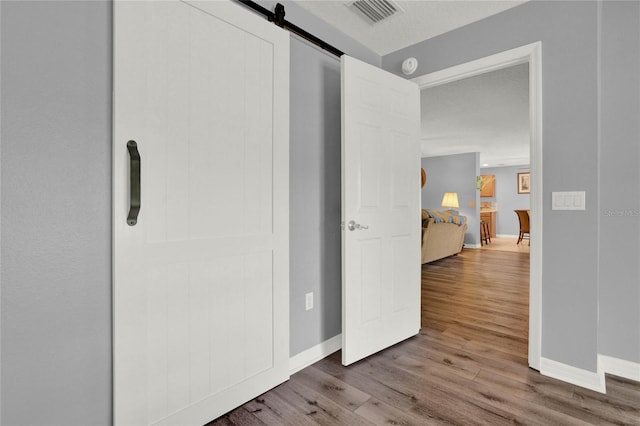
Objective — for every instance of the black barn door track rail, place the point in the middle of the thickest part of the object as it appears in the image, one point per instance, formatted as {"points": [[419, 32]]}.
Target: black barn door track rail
{"points": [[277, 18]]}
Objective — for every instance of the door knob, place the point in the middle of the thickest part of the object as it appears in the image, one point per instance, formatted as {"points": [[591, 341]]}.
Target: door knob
{"points": [[352, 225]]}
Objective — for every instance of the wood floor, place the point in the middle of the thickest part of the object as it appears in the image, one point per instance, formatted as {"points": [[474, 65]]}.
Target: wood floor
{"points": [[507, 244], [468, 365]]}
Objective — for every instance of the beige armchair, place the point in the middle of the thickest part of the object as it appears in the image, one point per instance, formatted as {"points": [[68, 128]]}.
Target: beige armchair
{"points": [[440, 240]]}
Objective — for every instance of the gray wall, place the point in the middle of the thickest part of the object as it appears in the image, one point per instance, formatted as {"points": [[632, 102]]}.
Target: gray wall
{"points": [[507, 197], [56, 213], [619, 276], [56, 205], [315, 196], [573, 157], [316, 262], [455, 173]]}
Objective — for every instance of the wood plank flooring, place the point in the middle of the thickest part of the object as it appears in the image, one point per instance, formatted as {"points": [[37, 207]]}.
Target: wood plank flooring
{"points": [[468, 365], [507, 244]]}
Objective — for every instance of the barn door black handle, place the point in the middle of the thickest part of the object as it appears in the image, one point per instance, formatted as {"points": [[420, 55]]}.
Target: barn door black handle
{"points": [[134, 189]]}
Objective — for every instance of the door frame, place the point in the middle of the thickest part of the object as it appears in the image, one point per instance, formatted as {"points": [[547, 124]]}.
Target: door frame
{"points": [[531, 54]]}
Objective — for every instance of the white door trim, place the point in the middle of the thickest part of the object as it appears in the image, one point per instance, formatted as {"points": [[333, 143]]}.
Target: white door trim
{"points": [[532, 55]]}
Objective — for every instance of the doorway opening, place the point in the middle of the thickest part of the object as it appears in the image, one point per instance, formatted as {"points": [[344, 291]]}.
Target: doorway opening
{"points": [[531, 55]]}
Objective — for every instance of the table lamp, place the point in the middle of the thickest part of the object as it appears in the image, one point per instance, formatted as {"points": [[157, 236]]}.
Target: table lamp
{"points": [[450, 200]]}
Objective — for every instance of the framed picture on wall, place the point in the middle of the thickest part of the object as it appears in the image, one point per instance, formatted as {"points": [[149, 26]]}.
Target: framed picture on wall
{"points": [[524, 183]]}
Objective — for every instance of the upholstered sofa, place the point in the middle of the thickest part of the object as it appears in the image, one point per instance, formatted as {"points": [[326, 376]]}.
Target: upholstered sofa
{"points": [[441, 239]]}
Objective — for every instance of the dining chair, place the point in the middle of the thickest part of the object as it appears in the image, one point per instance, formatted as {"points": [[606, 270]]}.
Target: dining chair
{"points": [[523, 218]]}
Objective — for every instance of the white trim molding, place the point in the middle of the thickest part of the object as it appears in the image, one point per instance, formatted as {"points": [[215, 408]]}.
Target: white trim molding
{"points": [[619, 367], [471, 246], [576, 376], [506, 236], [531, 54], [314, 354]]}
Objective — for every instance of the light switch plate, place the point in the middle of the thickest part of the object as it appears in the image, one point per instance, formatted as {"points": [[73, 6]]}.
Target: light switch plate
{"points": [[574, 200]]}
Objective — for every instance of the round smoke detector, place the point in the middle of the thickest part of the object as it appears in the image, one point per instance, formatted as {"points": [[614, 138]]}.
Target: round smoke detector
{"points": [[409, 66]]}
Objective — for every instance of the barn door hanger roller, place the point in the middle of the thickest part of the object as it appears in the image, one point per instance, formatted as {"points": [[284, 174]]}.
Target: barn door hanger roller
{"points": [[277, 17]]}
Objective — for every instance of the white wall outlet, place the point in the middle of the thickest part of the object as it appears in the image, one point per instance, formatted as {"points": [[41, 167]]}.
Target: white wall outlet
{"points": [[308, 301]]}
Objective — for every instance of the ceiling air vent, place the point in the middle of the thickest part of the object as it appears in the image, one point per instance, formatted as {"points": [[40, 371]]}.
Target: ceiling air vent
{"points": [[377, 10]]}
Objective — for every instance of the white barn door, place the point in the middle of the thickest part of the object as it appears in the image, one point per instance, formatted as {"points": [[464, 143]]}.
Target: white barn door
{"points": [[201, 302], [380, 209]]}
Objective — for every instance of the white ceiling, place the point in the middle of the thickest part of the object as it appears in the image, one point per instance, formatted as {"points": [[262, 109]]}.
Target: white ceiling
{"points": [[488, 113], [421, 19]]}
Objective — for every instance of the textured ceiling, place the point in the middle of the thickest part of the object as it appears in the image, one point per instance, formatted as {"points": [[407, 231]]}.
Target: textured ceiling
{"points": [[488, 113], [422, 19]]}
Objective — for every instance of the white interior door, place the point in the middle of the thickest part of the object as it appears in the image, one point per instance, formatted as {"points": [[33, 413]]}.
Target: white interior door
{"points": [[380, 209], [201, 304]]}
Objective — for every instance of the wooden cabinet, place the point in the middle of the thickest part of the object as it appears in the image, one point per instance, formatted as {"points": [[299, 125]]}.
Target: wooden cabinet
{"points": [[487, 185], [490, 218]]}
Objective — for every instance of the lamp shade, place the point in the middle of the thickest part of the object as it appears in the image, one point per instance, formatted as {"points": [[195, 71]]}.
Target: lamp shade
{"points": [[450, 200]]}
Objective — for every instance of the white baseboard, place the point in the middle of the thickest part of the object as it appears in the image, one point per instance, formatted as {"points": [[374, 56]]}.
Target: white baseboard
{"points": [[506, 236], [619, 367], [573, 375], [472, 246], [314, 354]]}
